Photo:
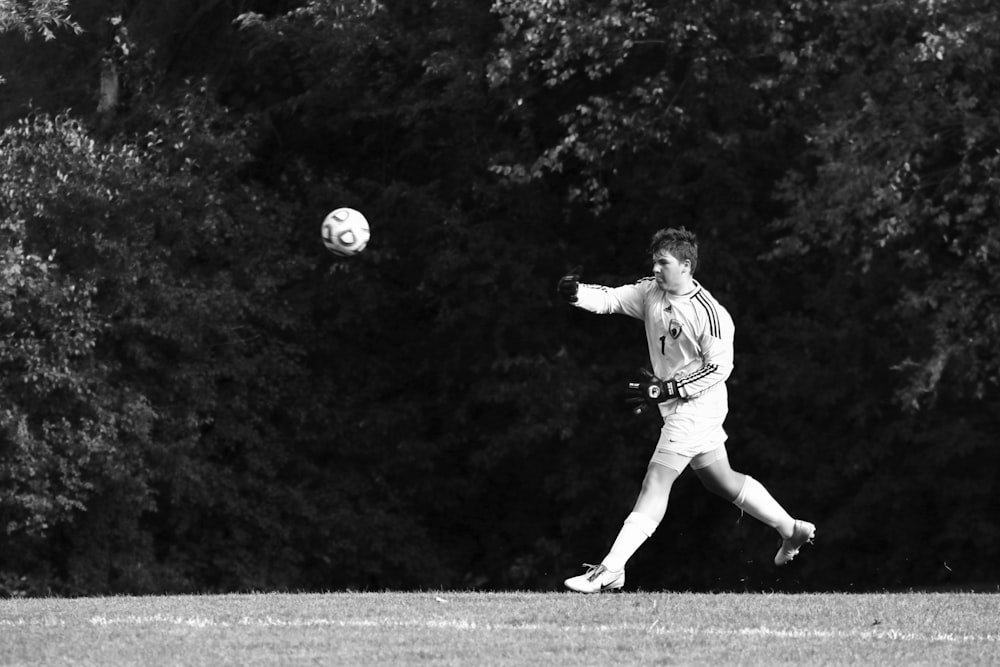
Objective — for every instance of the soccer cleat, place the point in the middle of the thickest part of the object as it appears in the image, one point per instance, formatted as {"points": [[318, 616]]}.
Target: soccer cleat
{"points": [[803, 533], [597, 579]]}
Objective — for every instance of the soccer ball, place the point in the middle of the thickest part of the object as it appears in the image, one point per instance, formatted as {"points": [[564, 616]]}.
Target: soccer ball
{"points": [[345, 232]]}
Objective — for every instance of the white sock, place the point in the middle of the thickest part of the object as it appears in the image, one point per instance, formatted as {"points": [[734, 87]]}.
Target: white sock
{"points": [[636, 530], [758, 503]]}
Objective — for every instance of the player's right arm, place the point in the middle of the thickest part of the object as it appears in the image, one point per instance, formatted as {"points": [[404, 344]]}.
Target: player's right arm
{"points": [[626, 300]]}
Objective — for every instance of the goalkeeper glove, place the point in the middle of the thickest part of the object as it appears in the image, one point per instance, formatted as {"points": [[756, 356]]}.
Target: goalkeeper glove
{"points": [[569, 285], [651, 391]]}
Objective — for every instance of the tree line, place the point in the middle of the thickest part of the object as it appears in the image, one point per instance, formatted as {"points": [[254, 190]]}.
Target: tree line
{"points": [[196, 396]]}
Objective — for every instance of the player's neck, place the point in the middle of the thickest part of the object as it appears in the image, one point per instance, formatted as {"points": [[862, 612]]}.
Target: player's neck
{"points": [[686, 288]]}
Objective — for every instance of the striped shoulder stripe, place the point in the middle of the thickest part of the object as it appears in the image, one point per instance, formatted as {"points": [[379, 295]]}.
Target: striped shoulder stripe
{"points": [[714, 328]]}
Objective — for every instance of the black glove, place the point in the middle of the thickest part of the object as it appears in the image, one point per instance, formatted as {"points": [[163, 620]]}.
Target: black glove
{"points": [[569, 285], [651, 391]]}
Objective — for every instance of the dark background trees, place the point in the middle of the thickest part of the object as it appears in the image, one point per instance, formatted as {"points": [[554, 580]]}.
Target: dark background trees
{"points": [[196, 396]]}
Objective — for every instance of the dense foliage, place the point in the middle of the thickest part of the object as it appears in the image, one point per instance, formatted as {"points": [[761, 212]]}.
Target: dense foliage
{"points": [[196, 396]]}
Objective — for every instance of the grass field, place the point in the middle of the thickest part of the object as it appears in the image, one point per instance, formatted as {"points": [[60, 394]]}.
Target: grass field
{"points": [[447, 628]]}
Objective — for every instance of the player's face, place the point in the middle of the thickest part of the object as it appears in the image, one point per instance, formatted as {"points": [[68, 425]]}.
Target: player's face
{"points": [[670, 274]]}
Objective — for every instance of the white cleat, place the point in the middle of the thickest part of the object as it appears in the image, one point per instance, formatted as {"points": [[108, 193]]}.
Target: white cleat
{"points": [[803, 533], [597, 579]]}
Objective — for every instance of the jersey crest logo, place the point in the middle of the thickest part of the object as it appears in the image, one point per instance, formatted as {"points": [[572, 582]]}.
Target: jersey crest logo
{"points": [[674, 329]]}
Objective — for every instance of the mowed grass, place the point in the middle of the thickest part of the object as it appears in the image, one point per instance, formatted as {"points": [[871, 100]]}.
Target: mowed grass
{"points": [[452, 628]]}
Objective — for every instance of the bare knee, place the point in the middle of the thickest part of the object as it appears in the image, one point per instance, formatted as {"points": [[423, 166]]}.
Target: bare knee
{"points": [[655, 492], [658, 479]]}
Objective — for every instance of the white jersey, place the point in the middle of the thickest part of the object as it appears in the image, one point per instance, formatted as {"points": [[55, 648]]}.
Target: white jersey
{"points": [[690, 340]]}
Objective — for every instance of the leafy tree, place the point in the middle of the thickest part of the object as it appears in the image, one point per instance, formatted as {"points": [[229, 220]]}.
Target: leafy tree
{"points": [[896, 196], [64, 419], [902, 172], [43, 17], [166, 311]]}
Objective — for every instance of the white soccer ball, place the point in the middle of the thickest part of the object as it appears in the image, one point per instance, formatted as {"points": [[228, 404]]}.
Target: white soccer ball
{"points": [[345, 232]]}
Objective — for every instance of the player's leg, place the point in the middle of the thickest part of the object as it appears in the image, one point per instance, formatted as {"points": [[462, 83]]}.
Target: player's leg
{"points": [[647, 513], [639, 526], [715, 473]]}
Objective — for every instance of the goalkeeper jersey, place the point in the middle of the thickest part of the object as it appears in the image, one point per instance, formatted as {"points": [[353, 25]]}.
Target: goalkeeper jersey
{"points": [[690, 338]]}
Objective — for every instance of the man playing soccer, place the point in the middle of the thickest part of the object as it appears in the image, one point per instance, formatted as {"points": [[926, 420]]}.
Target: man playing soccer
{"points": [[690, 339]]}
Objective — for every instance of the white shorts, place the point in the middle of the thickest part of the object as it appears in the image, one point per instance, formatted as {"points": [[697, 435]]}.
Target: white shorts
{"points": [[685, 439]]}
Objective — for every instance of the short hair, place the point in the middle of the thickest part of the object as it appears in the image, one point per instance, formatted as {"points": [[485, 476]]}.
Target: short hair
{"points": [[680, 243]]}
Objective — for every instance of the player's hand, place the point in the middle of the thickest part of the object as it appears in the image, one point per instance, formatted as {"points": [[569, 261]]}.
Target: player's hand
{"points": [[569, 285], [651, 390]]}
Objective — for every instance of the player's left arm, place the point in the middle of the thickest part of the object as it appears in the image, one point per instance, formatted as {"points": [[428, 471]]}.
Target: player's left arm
{"points": [[716, 342]]}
